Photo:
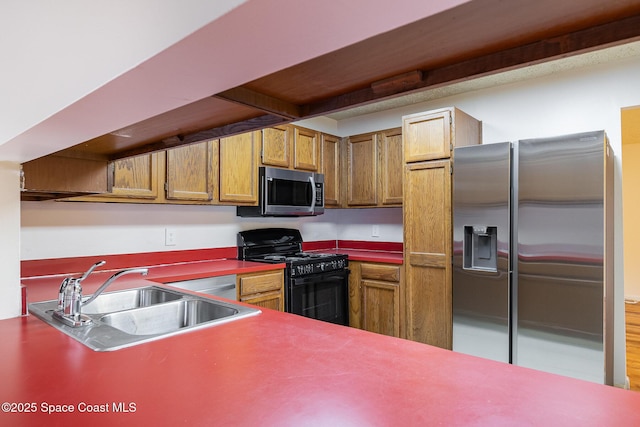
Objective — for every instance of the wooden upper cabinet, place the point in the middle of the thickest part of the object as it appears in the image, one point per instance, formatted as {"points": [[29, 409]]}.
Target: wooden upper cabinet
{"points": [[190, 172], [135, 177], [374, 169], [276, 146], [434, 134], [55, 176], [428, 137], [239, 160], [362, 170], [391, 167], [306, 149], [291, 147], [331, 170]]}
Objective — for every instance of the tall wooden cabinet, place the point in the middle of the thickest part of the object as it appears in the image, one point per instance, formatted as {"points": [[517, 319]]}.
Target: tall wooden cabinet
{"points": [[429, 139]]}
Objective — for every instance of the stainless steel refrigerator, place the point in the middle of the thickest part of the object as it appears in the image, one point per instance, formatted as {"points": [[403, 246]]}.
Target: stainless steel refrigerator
{"points": [[533, 254]]}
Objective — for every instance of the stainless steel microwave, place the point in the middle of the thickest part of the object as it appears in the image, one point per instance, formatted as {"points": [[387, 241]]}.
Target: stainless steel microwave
{"points": [[285, 192]]}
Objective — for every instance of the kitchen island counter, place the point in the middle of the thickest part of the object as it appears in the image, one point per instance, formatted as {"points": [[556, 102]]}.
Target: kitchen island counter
{"points": [[285, 370]]}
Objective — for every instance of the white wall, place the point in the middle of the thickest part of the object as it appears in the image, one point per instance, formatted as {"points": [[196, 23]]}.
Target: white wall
{"points": [[69, 229]]}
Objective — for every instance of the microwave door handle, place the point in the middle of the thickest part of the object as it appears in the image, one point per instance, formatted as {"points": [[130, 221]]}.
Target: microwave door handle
{"points": [[313, 193]]}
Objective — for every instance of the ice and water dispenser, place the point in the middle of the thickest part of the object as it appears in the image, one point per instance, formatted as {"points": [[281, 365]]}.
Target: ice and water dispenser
{"points": [[480, 248]]}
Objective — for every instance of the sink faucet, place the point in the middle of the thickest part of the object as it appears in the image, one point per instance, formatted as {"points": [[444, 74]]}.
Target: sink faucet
{"points": [[70, 295], [112, 279]]}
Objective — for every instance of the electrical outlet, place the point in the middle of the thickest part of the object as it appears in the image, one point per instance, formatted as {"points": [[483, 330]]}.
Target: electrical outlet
{"points": [[169, 237], [375, 231]]}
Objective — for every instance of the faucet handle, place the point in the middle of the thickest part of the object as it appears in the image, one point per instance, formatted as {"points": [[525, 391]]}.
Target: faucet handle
{"points": [[93, 267]]}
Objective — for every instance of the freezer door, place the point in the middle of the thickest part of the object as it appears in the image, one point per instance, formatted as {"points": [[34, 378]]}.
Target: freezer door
{"points": [[481, 263], [560, 247]]}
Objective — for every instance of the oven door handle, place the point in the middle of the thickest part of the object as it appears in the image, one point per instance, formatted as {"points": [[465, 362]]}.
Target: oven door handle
{"points": [[315, 278]]}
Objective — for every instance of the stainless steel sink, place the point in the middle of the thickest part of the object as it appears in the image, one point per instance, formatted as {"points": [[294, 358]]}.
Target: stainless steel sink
{"points": [[131, 298], [170, 317], [125, 318]]}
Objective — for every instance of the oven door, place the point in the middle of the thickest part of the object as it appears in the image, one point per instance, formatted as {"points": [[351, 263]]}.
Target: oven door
{"points": [[321, 296]]}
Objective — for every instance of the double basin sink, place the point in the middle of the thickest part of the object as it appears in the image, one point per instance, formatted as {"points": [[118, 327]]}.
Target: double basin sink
{"points": [[125, 318]]}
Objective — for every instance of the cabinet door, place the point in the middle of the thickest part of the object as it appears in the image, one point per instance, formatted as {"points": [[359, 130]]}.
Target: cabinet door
{"points": [[427, 243], [362, 170], [331, 169], [276, 146], [390, 167], [381, 298], [190, 172], [135, 177], [264, 289], [355, 298], [381, 307], [239, 168], [427, 136], [306, 149], [274, 301]]}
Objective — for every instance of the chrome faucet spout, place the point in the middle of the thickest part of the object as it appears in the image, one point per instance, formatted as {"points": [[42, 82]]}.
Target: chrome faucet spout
{"points": [[112, 279], [70, 296]]}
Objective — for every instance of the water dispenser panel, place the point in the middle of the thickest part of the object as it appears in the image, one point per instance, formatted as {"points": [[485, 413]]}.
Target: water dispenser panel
{"points": [[480, 248]]}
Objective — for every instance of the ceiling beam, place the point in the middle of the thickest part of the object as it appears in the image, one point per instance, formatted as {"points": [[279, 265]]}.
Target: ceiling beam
{"points": [[260, 101], [598, 37], [256, 123]]}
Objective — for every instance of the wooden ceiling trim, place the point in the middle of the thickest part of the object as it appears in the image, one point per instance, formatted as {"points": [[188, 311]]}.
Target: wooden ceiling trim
{"points": [[256, 123], [260, 101], [606, 35]]}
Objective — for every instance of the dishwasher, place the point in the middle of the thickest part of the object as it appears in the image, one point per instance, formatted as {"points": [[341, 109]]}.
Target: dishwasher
{"points": [[220, 286]]}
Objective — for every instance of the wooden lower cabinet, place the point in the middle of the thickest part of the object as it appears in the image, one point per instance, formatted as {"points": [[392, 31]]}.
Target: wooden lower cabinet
{"points": [[264, 289], [375, 297]]}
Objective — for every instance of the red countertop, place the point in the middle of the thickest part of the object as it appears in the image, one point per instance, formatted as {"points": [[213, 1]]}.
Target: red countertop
{"points": [[42, 288], [278, 369]]}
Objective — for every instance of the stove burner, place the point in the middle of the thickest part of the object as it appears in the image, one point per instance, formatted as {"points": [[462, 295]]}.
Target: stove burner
{"points": [[275, 257]]}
